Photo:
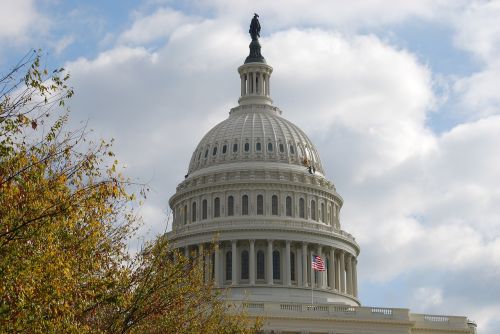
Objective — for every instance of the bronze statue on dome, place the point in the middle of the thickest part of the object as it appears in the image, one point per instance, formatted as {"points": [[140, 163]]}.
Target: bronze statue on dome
{"points": [[255, 27]]}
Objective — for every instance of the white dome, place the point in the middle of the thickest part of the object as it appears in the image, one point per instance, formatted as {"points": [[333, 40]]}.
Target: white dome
{"points": [[255, 133]]}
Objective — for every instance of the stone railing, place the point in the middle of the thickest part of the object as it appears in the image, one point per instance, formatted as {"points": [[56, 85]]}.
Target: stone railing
{"points": [[259, 224], [428, 320], [325, 310]]}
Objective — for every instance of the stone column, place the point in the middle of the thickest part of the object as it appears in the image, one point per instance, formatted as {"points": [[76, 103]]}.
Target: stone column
{"points": [[242, 84], [254, 90], [354, 277], [337, 273], [321, 274], [342, 272], [304, 264], [313, 275], [331, 269], [288, 279], [349, 274], [269, 262], [234, 257], [252, 262], [217, 265], [268, 86]]}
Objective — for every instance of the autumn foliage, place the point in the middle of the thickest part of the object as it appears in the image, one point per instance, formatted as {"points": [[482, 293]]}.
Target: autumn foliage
{"points": [[65, 217]]}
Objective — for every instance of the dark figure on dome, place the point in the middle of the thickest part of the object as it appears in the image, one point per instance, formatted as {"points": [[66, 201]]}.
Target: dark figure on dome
{"points": [[255, 27]]}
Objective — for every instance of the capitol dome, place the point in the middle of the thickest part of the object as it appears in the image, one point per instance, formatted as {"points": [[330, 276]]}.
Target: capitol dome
{"points": [[255, 133], [257, 206]]}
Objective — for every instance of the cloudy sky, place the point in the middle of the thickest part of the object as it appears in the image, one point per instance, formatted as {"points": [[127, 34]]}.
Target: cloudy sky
{"points": [[401, 98]]}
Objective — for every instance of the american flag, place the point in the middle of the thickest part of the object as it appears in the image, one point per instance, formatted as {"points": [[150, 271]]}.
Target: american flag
{"points": [[317, 263]]}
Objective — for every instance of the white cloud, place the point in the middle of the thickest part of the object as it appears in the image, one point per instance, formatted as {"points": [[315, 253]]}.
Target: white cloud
{"points": [[160, 24], [477, 29], [427, 297], [16, 18], [63, 43]]}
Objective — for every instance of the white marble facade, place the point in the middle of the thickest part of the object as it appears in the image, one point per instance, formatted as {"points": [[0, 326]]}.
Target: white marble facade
{"points": [[256, 196]]}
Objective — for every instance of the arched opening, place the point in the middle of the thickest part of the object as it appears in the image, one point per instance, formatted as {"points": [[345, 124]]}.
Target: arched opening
{"points": [[313, 209], [230, 206], [217, 207], [204, 209], [274, 205], [229, 266], [288, 204], [301, 208], [193, 212], [276, 265], [185, 214], [244, 205], [292, 266], [260, 204], [244, 265], [261, 273]]}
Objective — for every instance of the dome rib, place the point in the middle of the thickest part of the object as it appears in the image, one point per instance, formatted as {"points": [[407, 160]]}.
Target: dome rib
{"points": [[261, 124]]}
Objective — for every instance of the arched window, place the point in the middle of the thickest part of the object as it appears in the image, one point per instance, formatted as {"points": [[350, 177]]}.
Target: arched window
{"points": [[276, 265], [206, 153], [247, 147], [261, 274], [292, 151], [258, 147], [185, 214], [214, 152], [274, 205], [244, 205], [323, 213], [235, 148], [269, 147], [230, 206], [313, 210], [288, 204], [292, 266], [301, 208], [224, 149], [217, 207], [204, 209], [260, 204], [244, 265], [229, 266], [193, 212], [282, 148]]}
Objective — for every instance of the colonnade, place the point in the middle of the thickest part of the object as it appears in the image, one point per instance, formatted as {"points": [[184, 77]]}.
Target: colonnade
{"points": [[255, 83], [293, 262]]}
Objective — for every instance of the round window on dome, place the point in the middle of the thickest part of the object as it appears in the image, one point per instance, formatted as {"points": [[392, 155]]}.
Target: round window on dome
{"points": [[258, 147], [224, 149], [269, 147]]}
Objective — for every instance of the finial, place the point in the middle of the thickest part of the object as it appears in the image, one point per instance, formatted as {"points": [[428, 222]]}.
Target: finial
{"points": [[255, 56]]}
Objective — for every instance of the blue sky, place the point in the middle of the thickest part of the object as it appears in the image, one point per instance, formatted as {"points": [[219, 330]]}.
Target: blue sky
{"points": [[400, 97]]}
